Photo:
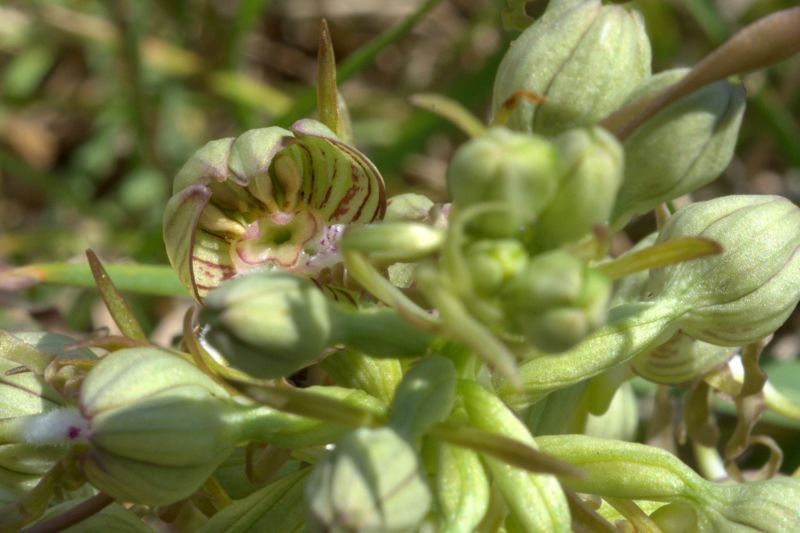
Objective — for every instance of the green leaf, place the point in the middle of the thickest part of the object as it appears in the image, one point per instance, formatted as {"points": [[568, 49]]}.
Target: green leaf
{"points": [[659, 255], [158, 280], [114, 301], [277, 507]]}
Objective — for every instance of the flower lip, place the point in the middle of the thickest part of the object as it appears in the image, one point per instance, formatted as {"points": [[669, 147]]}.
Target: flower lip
{"points": [[267, 199]]}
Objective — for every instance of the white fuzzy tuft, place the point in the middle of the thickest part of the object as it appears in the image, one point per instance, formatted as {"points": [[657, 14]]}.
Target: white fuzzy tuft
{"points": [[63, 427]]}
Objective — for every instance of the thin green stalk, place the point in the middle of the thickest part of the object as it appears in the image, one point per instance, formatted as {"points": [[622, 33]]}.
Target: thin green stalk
{"points": [[358, 61]]}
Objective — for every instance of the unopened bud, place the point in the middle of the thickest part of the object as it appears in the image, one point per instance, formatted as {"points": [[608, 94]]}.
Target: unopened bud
{"points": [[591, 160], [514, 170], [158, 426], [748, 291], [556, 301], [585, 59], [683, 147], [268, 324]]}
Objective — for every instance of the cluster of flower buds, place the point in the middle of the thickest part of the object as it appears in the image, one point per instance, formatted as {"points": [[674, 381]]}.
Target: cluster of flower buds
{"points": [[392, 366]]}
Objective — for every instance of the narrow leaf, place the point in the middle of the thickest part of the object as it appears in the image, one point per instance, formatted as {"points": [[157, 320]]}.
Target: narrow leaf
{"points": [[327, 101], [508, 450], [659, 255], [114, 301], [450, 110], [158, 280]]}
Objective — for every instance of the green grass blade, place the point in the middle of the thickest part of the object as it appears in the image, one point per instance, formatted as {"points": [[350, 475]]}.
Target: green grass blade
{"points": [[115, 302], [157, 280]]}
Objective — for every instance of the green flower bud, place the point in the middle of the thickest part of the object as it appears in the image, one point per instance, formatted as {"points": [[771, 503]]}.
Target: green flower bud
{"points": [[749, 290], [680, 360], [492, 263], [516, 170], [271, 198], [371, 481], [394, 241], [683, 147], [592, 161], [26, 453], [272, 324], [157, 426], [556, 301], [268, 324], [585, 59]]}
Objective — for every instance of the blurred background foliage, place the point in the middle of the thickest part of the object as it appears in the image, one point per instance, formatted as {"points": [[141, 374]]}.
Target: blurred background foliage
{"points": [[102, 101]]}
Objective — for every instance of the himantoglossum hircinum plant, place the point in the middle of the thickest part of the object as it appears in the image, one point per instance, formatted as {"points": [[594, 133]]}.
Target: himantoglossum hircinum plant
{"points": [[357, 363]]}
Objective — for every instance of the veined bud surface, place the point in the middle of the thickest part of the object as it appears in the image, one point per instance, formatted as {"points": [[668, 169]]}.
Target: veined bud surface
{"points": [[585, 59], [157, 426], [683, 147], [748, 291], [371, 481], [515, 170], [592, 164], [556, 301], [268, 324], [270, 198]]}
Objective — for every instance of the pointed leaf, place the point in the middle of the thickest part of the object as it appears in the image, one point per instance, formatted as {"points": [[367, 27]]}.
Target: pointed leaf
{"points": [[327, 101], [659, 255], [158, 280], [115, 302]]}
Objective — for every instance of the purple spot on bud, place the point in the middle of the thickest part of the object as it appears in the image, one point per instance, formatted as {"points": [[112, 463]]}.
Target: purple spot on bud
{"points": [[73, 432]]}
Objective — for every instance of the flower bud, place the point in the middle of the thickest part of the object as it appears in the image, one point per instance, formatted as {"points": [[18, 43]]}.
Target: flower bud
{"points": [[371, 481], [585, 59], [394, 241], [272, 324], [492, 263], [26, 453], [592, 161], [271, 198], [517, 171], [268, 324], [748, 291], [556, 301], [683, 147], [157, 426]]}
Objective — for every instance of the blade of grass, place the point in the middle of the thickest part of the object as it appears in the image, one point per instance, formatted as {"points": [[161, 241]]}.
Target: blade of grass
{"points": [[115, 302], [157, 280]]}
